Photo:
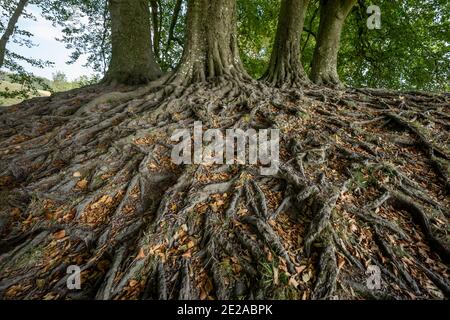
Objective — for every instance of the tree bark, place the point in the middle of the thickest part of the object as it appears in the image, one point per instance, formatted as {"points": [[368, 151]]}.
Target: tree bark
{"points": [[132, 59], [211, 43], [156, 27], [332, 17], [173, 23], [10, 29], [285, 64]]}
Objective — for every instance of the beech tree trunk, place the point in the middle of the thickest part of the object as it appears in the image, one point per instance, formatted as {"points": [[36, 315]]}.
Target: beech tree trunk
{"points": [[9, 31], [332, 17], [211, 43], [156, 27], [285, 64], [132, 59]]}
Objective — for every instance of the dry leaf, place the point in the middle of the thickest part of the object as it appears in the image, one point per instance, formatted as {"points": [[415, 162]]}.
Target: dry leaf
{"points": [[275, 277], [133, 283], [341, 262], [293, 282], [187, 255], [59, 235], [306, 277], [191, 244], [82, 184], [141, 254], [300, 269]]}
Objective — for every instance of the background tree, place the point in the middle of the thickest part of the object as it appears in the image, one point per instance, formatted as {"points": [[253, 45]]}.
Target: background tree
{"points": [[130, 28], [332, 17], [285, 66], [8, 32], [86, 30], [211, 48], [410, 51], [257, 25], [22, 83]]}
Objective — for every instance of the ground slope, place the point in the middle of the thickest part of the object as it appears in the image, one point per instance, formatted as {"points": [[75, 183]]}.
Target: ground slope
{"points": [[86, 179]]}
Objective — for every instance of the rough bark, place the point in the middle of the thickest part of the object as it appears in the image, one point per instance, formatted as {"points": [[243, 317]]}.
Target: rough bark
{"points": [[332, 17], [132, 60], [210, 49], [285, 68], [173, 23], [9, 31], [156, 27]]}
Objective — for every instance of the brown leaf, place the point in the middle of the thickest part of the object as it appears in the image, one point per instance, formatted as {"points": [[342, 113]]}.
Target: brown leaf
{"points": [[293, 282], [141, 254], [133, 283], [59, 235], [82, 184], [300, 269]]}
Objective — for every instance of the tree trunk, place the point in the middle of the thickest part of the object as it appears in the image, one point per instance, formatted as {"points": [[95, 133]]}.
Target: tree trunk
{"points": [[10, 29], [285, 64], [211, 43], [173, 23], [132, 59], [156, 27], [332, 17]]}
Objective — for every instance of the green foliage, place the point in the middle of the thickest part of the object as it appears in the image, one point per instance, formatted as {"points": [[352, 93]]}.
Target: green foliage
{"points": [[14, 88], [170, 53], [410, 51], [86, 29], [22, 84], [257, 25]]}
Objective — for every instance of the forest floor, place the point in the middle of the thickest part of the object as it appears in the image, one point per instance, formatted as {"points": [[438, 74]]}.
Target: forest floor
{"points": [[86, 179]]}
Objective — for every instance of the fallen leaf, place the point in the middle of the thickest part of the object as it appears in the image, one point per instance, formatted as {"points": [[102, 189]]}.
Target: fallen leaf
{"points": [[141, 254], [82, 184], [191, 244], [341, 262], [275, 277], [59, 235], [133, 283], [293, 282], [300, 269], [306, 277]]}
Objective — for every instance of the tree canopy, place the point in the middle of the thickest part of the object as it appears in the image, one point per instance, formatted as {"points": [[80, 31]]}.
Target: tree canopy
{"points": [[410, 51]]}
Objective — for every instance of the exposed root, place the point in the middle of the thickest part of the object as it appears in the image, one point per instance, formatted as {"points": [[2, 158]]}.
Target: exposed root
{"points": [[87, 179]]}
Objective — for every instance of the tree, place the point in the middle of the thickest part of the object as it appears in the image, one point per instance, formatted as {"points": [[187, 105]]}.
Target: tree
{"points": [[89, 178], [59, 76], [10, 28], [409, 52], [285, 66], [86, 30], [332, 17], [211, 42], [130, 28]]}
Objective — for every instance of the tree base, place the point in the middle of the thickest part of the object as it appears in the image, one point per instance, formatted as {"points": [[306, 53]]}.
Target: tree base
{"points": [[87, 180]]}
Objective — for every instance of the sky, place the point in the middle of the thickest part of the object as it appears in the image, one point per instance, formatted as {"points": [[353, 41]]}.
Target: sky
{"points": [[48, 48]]}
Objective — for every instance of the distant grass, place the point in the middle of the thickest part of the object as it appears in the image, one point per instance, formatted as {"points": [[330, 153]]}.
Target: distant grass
{"points": [[16, 87]]}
